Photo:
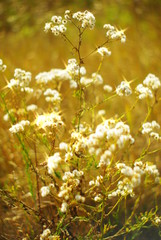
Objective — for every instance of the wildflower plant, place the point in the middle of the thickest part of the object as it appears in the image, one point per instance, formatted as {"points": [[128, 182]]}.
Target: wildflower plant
{"points": [[92, 175]]}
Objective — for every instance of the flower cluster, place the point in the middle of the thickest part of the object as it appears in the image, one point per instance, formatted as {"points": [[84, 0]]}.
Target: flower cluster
{"points": [[49, 120], [56, 25], [107, 88], [150, 84], [96, 182], [133, 177], [53, 162], [21, 81], [103, 51], [52, 96], [86, 19], [45, 235], [113, 33], [2, 66], [108, 136], [150, 128], [124, 89], [19, 127], [70, 187], [52, 75], [46, 190]]}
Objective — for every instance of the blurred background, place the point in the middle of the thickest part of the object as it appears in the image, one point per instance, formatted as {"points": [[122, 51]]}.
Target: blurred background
{"points": [[24, 44]]}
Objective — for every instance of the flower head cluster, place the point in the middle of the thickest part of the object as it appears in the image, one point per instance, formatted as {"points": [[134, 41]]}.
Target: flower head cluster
{"points": [[96, 182], [73, 68], [54, 74], [46, 190], [52, 120], [45, 235], [19, 127], [103, 51], [53, 162], [108, 136], [86, 19], [113, 33], [124, 89], [31, 108], [150, 84], [2, 66], [133, 177], [56, 25], [107, 88], [21, 81], [124, 188], [52, 96], [70, 187], [150, 129]]}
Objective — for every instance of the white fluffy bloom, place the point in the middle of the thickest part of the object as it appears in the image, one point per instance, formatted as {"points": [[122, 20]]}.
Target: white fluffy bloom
{"points": [[103, 51], [45, 191], [49, 120], [101, 112], [56, 25], [97, 79], [2, 66], [54, 74], [98, 198], [52, 95], [107, 88], [79, 198], [63, 146], [113, 33], [19, 127], [124, 89], [86, 19], [152, 82], [148, 127], [64, 207], [31, 108], [45, 234], [53, 162], [143, 92], [21, 80]]}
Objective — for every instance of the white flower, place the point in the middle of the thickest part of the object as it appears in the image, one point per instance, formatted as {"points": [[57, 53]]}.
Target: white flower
{"points": [[49, 120], [148, 127], [52, 95], [98, 198], [79, 198], [124, 89], [107, 88], [45, 191], [19, 127], [97, 79], [113, 33], [2, 66], [53, 162], [64, 207], [86, 19], [152, 82], [31, 107], [45, 234], [63, 146], [103, 51], [86, 81], [101, 112]]}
